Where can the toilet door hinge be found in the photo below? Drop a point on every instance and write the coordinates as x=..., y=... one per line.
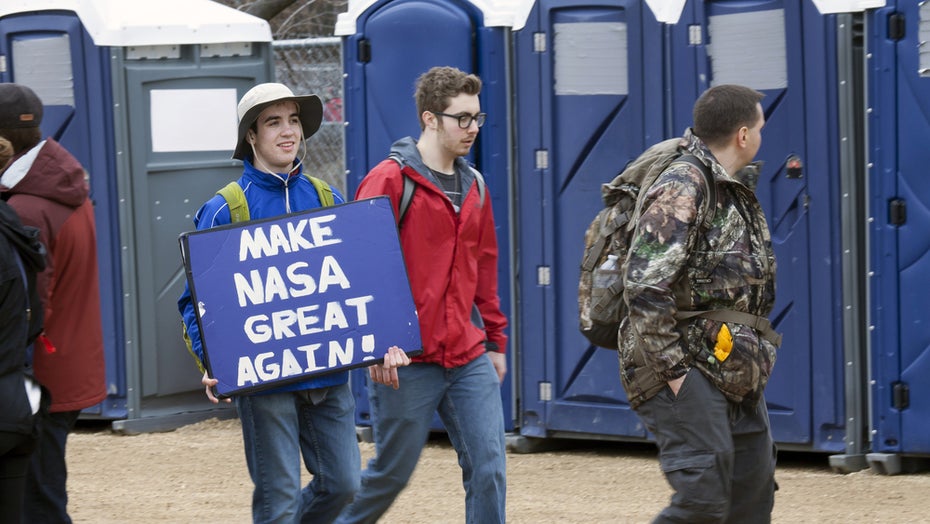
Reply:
x=542, y=159
x=545, y=391
x=539, y=42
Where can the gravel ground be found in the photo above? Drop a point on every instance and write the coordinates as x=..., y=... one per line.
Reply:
x=197, y=473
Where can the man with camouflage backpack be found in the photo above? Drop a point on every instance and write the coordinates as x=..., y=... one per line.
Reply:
x=695, y=379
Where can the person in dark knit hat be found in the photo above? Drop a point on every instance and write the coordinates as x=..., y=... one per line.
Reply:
x=49, y=190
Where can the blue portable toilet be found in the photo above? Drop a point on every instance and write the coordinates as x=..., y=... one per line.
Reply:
x=798, y=76
x=387, y=44
x=144, y=94
x=598, y=82
x=594, y=84
x=589, y=98
x=898, y=68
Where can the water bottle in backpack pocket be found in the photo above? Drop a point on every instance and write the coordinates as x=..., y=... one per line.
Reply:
x=604, y=302
x=607, y=287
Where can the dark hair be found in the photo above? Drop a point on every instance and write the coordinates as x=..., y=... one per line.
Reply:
x=722, y=110
x=23, y=138
x=436, y=87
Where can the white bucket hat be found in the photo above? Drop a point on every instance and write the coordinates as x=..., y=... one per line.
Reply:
x=310, y=109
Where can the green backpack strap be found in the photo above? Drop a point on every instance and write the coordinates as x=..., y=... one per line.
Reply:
x=190, y=346
x=235, y=199
x=323, y=190
x=239, y=212
x=239, y=208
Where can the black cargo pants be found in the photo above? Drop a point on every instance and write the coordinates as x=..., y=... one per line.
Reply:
x=717, y=456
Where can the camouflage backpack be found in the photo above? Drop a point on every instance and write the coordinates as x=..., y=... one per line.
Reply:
x=607, y=240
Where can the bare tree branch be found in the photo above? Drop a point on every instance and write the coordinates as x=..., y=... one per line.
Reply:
x=266, y=9
x=293, y=18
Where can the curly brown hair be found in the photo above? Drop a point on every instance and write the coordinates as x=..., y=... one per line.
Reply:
x=436, y=87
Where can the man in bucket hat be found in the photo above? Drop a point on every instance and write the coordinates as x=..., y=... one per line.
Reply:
x=313, y=418
x=48, y=188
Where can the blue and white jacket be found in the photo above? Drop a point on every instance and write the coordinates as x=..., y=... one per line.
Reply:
x=268, y=196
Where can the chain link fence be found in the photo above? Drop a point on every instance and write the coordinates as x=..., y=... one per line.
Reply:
x=314, y=65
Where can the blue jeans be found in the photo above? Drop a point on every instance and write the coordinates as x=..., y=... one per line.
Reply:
x=46, y=490
x=277, y=429
x=468, y=399
x=717, y=456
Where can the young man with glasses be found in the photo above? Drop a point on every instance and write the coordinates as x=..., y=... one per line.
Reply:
x=448, y=237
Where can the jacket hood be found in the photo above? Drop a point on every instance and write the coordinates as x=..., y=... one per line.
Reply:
x=24, y=238
x=406, y=151
x=48, y=171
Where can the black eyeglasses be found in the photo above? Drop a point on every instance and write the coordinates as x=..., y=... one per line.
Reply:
x=465, y=119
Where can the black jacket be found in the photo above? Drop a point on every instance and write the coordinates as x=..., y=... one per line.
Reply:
x=20, y=317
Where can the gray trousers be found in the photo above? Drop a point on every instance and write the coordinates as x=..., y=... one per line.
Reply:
x=717, y=456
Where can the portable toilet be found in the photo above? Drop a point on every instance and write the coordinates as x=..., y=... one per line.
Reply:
x=589, y=98
x=387, y=44
x=598, y=82
x=144, y=94
x=798, y=187
x=898, y=68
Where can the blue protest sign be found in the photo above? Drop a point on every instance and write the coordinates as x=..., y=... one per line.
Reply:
x=283, y=299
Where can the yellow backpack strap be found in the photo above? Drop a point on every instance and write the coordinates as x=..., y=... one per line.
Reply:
x=238, y=212
x=190, y=346
x=323, y=190
x=239, y=208
x=235, y=199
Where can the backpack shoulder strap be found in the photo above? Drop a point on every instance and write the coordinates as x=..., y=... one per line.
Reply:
x=410, y=187
x=323, y=190
x=239, y=207
x=479, y=179
x=405, y=197
x=406, y=194
x=710, y=202
x=235, y=199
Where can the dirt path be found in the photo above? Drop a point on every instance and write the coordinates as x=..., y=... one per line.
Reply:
x=197, y=474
